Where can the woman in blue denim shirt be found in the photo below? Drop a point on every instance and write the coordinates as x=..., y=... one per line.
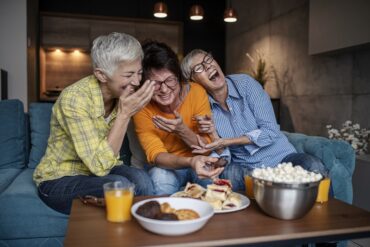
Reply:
x=244, y=120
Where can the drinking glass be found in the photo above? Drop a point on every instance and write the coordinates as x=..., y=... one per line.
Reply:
x=323, y=191
x=248, y=181
x=118, y=199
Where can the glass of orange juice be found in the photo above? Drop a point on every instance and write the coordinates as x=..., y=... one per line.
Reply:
x=248, y=181
x=323, y=191
x=118, y=200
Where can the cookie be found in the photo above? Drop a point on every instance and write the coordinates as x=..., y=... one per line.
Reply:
x=186, y=214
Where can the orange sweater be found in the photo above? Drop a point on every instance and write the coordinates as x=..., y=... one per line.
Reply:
x=155, y=141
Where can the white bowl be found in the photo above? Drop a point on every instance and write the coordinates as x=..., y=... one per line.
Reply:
x=175, y=228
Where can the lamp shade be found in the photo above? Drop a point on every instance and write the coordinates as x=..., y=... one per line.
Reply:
x=196, y=12
x=160, y=10
x=230, y=15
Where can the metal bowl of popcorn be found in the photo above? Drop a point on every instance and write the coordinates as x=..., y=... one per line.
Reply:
x=285, y=192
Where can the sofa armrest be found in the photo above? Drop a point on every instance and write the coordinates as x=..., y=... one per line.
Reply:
x=337, y=156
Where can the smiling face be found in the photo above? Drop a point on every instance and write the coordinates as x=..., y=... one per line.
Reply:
x=165, y=94
x=211, y=78
x=125, y=78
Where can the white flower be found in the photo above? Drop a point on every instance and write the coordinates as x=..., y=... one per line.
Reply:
x=353, y=134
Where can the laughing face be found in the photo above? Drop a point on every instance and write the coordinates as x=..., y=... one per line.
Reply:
x=207, y=72
x=125, y=79
x=166, y=89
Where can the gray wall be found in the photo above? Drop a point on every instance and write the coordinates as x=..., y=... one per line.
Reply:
x=13, y=46
x=314, y=90
x=336, y=24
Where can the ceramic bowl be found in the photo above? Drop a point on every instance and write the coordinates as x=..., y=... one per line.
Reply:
x=175, y=228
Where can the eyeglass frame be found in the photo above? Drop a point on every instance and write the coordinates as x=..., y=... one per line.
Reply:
x=165, y=82
x=207, y=55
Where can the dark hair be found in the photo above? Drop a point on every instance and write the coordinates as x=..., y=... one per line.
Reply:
x=158, y=55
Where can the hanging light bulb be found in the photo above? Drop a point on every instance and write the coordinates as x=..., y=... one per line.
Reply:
x=160, y=10
x=230, y=14
x=196, y=12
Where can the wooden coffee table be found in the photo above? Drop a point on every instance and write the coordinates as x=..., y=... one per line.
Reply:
x=330, y=221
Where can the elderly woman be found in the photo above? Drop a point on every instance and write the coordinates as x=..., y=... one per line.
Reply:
x=88, y=124
x=166, y=127
x=244, y=120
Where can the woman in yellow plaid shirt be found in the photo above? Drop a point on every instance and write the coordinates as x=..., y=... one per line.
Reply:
x=88, y=124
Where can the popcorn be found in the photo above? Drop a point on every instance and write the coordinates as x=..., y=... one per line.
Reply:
x=286, y=173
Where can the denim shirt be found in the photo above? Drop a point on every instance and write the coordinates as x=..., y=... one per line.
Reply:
x=250, y=114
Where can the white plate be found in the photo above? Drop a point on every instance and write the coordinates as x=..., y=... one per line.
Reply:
x=244, y=203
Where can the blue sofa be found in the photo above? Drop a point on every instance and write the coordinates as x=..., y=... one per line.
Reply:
x=26, y=221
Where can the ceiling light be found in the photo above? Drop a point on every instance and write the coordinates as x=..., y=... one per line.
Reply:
x=230, y=15
x=196, y=12
x=160, y=10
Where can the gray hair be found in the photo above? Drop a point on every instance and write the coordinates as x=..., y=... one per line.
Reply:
x=108, y=51
x=186, y=63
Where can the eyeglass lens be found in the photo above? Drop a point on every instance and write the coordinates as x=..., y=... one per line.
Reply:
x=170, y=82
x=200, y=66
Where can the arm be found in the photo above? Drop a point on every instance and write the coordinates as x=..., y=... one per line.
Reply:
x=95, y=150
x=128, y=105
x=200, y=164
x=183, y=125
x=176, y=126
x=259, y=103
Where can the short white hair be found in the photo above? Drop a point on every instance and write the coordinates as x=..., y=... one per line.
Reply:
x=186, y=63
x=108, y=51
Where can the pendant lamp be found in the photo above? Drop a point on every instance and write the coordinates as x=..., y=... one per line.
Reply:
x=196, y=12
x=230, y=14
x=160, y=10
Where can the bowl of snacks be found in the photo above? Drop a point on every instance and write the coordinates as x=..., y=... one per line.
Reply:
x=285, y=192
x=172, y=216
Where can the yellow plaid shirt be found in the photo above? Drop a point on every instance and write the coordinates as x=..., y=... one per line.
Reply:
x=78, y=135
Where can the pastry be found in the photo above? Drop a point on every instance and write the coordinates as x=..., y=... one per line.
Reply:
x=232, y=201
x=194, y=190
x=219, y=192
x=186, y=214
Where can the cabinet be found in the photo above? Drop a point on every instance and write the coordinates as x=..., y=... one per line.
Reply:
x=66, y=41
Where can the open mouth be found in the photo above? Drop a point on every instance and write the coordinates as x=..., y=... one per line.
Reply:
x=213, y=75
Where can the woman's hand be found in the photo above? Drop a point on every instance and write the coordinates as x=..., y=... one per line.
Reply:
x=175, y=125
x=203, y=148
x=205, y=124
x=204, y=166
x=130, y=103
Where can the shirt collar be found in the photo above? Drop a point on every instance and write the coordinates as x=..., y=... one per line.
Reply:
x=231, y=90
x=97, y=98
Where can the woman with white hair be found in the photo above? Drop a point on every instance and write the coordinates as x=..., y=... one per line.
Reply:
x=244, y=120
x=88, y=124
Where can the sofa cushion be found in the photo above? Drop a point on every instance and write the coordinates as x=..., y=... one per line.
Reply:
x=40, y=114
x=24, y=215
x=12, y=134
x=7, y=176
x=337, y=156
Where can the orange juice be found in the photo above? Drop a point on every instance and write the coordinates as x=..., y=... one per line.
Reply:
x=249, y=186
x=323, y=192
x=118, y=203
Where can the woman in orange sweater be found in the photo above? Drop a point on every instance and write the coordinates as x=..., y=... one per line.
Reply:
x=166, y=127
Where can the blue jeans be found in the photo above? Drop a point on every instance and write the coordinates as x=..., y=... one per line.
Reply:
x=59, y=193
x=168, y=181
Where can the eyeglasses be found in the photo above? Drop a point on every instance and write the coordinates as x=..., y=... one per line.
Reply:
x=200, y=67
x=170, y=82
